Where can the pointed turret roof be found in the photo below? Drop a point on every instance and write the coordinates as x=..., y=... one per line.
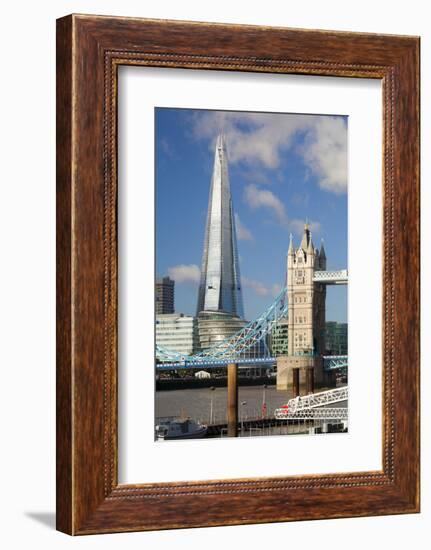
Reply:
x=305, y=237
x=291, y=249
x=322, y=250
x=310, y=248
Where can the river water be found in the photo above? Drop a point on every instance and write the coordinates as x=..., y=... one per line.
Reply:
x=209, y=406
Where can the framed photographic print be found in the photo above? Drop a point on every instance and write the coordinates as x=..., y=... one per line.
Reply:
x=237, y=274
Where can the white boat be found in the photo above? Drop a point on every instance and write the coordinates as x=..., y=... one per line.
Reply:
x=184, y=428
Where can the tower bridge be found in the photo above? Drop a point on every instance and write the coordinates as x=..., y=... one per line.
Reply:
x=302, y=304
x=304, y=365
x=223, y=333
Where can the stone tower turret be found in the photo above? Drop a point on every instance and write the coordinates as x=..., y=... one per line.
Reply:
x=306, y=313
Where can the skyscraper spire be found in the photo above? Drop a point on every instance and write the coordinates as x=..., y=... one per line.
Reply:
x=220, y=285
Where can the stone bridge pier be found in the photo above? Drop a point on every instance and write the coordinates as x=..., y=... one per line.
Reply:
x=302, y=375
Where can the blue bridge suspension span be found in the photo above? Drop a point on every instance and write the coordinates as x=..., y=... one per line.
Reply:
x=249, y=346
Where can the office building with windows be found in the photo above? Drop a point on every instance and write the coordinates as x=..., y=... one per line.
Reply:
x=278, y=341
x=176, y=331
x=165, y=295
x=336, y=338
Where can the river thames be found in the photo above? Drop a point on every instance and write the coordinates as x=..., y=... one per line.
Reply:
x=209, y=405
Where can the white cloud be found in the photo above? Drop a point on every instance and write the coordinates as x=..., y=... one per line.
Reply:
x=166, y=147
x=325, y=151
x=242, y=232
x=263, y=198
x=252, y=137
x=276, y=289
x=185, y=273
x=259, y=288
x=263, y=139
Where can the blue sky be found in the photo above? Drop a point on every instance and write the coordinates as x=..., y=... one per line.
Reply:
x=283, y=168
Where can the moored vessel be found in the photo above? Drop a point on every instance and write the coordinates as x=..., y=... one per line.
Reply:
x=183, y=428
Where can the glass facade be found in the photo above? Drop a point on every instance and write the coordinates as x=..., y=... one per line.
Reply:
x=336, y=338
x=177, y=332
x=216, y=327
x=220, y=284
x=279, y=343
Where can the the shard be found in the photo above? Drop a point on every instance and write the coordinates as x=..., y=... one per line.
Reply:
x=220, y=284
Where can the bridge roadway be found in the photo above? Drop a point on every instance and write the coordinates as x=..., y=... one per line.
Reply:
x=331, y=362
x=338, y=277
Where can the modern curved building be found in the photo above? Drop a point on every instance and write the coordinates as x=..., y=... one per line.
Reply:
x=215, y=326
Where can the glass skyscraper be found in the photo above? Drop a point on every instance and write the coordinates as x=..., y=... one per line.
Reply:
x=220, y=284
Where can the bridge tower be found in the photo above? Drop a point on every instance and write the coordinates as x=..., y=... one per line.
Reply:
x=302, y=367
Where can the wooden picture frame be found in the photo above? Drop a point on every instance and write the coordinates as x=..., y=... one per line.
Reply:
x=89, y=51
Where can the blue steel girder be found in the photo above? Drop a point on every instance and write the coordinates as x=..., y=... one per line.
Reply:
x=335, y=362
x=258, y=362
x=230, y=348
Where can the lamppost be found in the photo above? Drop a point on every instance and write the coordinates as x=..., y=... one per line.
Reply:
x=212, y=388
x=242, y=416
x=264, y=402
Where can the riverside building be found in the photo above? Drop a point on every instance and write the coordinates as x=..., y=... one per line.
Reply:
x=165, y=295
x=336, y=338
x=176, y=331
